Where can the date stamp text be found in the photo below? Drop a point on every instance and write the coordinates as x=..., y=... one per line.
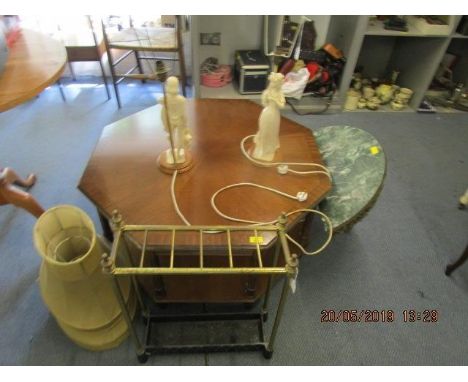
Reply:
x=382, y=315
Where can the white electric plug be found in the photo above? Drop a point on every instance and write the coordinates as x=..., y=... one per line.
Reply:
x=282, y=169
x=302, y=196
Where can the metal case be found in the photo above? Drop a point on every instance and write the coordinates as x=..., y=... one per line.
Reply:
x=251, y=71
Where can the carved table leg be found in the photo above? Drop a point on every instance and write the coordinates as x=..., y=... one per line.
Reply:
x=451, y=267
x=11, y=195
x=8, y=175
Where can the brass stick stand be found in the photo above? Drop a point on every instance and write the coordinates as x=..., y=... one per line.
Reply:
x=117, y=266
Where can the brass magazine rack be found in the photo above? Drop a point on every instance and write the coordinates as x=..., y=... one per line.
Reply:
x=145, y=346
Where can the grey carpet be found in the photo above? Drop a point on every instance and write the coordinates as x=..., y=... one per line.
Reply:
x=393, y=259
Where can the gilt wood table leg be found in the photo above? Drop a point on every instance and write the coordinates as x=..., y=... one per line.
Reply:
x=451, y=267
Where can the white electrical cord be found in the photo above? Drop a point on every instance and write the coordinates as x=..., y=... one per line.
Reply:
x=283, y=167
x=329, y=229
x=213, y=204
x=174, y=199
x=324, y=217
x=301, y=196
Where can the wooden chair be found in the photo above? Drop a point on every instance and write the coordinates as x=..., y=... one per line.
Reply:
x=84, y=46
x=10, y=194
x=136, y=40
x=357, y=164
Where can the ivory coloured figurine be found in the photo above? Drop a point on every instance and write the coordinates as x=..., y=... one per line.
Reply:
x=174, y=109
x=267, y=138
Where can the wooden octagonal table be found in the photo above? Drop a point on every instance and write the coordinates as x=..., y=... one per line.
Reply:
x=122, y=174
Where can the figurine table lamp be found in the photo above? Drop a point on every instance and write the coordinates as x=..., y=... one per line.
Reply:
x=267, y=138
x=174, y=118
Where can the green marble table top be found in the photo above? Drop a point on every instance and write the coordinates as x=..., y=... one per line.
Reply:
x=357, y=164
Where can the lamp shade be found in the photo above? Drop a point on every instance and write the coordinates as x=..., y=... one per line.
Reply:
x=77, y=293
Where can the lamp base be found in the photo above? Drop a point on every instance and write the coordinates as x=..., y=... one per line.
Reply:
x=170, y=168
x=277, y=157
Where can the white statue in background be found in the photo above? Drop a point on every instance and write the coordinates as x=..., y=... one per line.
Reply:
x=176, y=107
x=267, y=138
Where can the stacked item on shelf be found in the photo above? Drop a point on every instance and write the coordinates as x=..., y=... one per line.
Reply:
x=396, y=23
x=213, y=74
x=315, y=72
x=433, y=25
x=371, y=93
x=430, y=25
x=307, y=70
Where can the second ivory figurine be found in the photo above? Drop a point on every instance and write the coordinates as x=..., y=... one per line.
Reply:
x=267, y=138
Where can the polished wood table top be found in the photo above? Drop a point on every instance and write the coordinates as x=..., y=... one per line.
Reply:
x=34, y=62
x=123, y=173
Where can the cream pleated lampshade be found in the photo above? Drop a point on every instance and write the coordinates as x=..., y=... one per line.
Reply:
x=77, y=293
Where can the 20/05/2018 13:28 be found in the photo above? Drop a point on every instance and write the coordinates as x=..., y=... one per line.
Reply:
x=384, y=315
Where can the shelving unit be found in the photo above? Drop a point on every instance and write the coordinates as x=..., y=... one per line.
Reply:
x=417, y=60
x=237, y=33
x=364, y=42
x=415, y=54
x=458, y=46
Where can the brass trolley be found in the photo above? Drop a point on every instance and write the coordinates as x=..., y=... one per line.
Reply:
x=144, y=347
